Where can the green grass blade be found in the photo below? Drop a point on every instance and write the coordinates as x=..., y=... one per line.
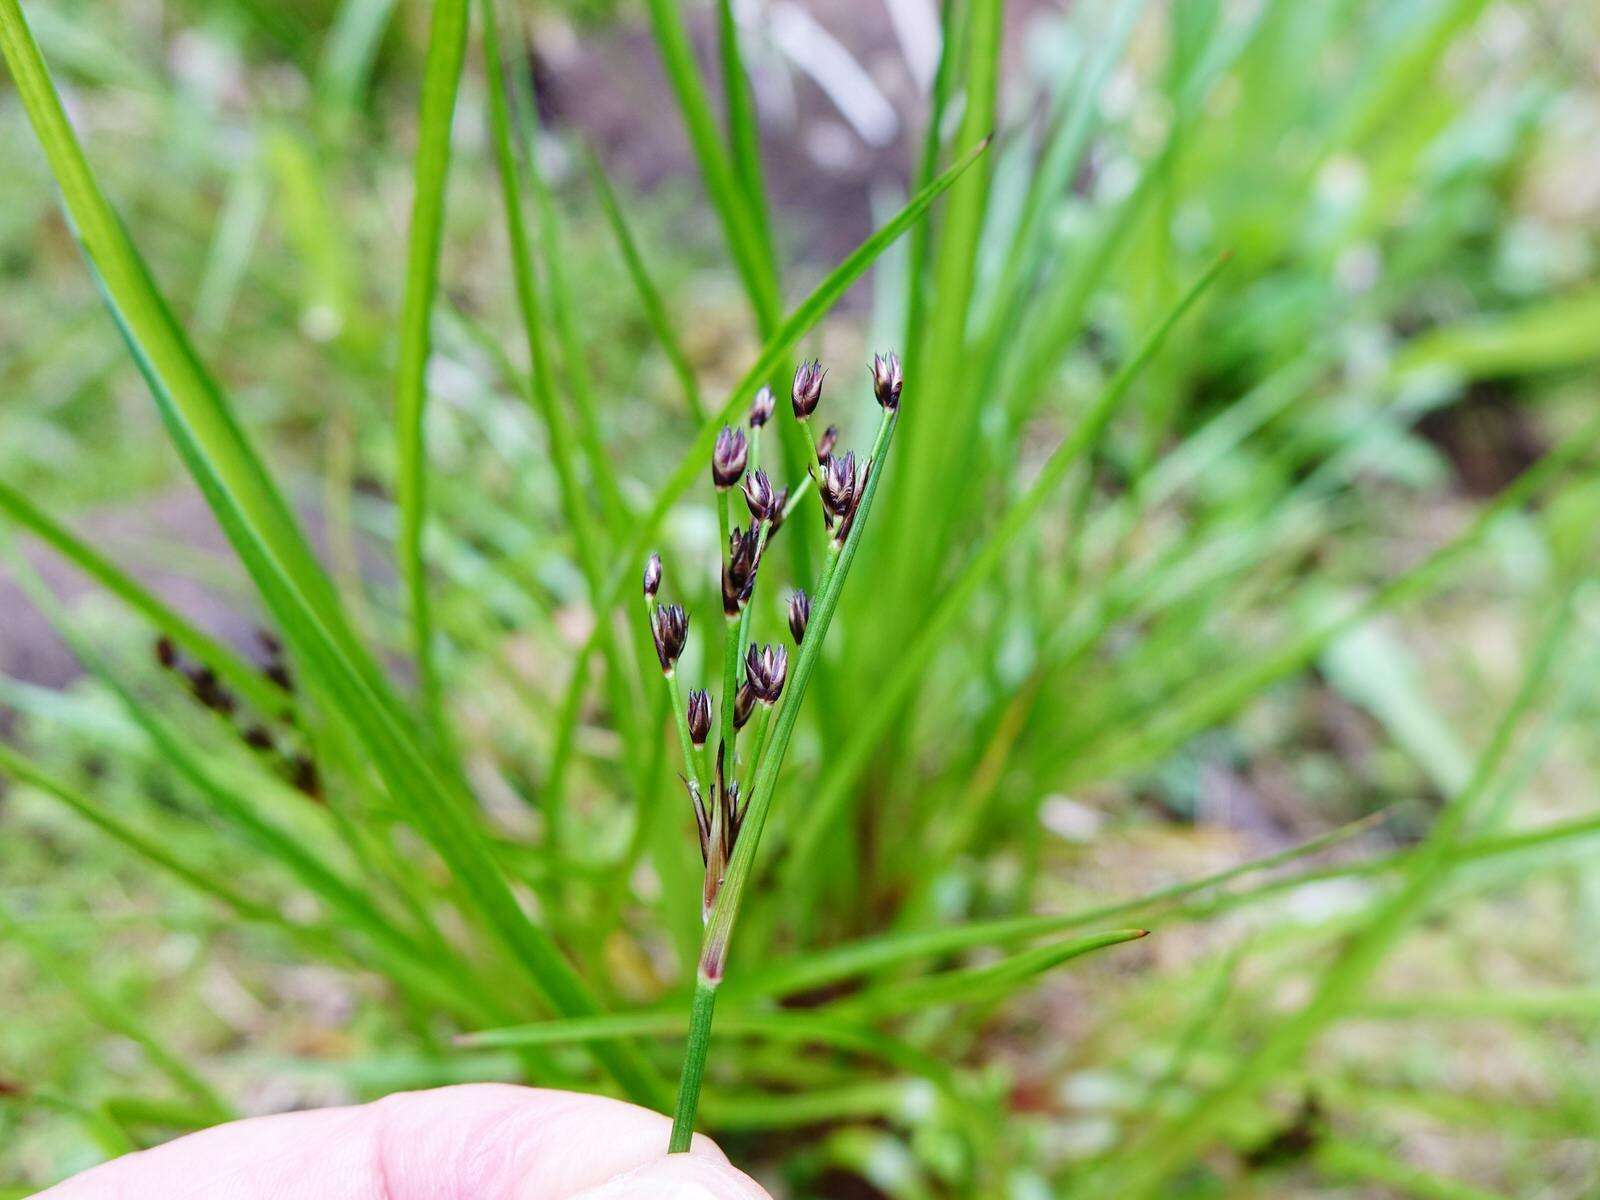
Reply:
x=722, y=182
x=824, y=968
x=116, y=1017
x=447, y=44
x=969, y=985
x=1347, y=977
x=744, y=135
x=897, y=686
x=655, y=309
x=552, y=244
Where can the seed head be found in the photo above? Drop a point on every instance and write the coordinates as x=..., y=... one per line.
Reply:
x=699, y=716
x=838, y=488
x=807, y=391
x=764, y=669
x=258, y=737
x=670, y=628
x=728, y=458
x=887, y=379
x=759, y=496
x=166, y=652
x=744, y=703
x=826, y=443
x=739, y=570
x=652, y=577
x=799, y=615
x=761, y=408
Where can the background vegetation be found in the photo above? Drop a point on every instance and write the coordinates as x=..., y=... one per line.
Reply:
x=1233, y=578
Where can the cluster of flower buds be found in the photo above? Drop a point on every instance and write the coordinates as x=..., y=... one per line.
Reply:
x=806, y=392
x=670, y=629
x=765, y=669
x=799, y=615
x=887, y=380
x=699, y=717
x=762, y=407
x=841, y=483
x=739, y=569
x=728, y=458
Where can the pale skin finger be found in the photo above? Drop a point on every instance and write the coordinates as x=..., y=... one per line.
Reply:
x=473, y=1142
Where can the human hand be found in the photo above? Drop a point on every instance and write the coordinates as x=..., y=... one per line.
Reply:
x=474, y=1142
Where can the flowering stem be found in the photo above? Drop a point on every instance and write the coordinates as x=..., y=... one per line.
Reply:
x=694, y=1064
x=724, y=912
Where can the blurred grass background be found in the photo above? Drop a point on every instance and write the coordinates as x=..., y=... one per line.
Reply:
x=1150, y=681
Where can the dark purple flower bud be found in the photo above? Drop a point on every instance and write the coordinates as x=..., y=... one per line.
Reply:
x=799, y=615
x=759, y=496
x=739, y=570
x=780, y=501
x=807, y=391
x=258, y=737
x=826, y=443
x=279, y=674
x=764, y=670
x=761, y=408
x=652, y=577
x=670, y=628
x=842, y=529
x=744, y=703
x=166, y=652
x=728, y=458
x=699, y=716
x=887, y=380
x=838, y=485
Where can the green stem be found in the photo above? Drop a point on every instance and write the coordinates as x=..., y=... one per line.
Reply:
x=763, y=719
x=681, y=719
x=694, y=1064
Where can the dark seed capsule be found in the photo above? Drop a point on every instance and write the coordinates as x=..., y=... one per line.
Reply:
x=806, y=393
x=258, y=737
x=670, y=628
x=744, y=703
x=838, y=489
x=279, y=674
x=842, y=529
x=759, y=496
x=887, y=380
x=652, y=577
x=799, y=615
x=699, y=716
x=826, y=443
x=739, y=570
x=166, y=652
x=764, y=669
x=761, y=408
x=728, y=457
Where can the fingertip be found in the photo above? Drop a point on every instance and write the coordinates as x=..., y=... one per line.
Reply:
x=702, y=1174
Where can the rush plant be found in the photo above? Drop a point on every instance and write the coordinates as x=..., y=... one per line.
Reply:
x=1175, y=295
